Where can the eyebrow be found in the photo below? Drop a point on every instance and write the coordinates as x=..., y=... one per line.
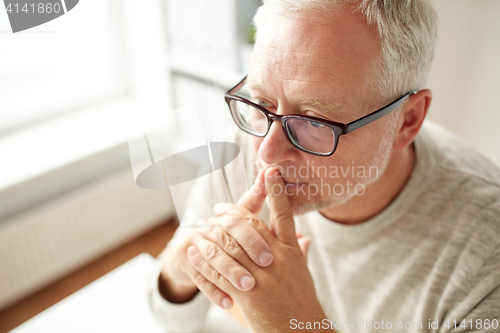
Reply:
x=330, y=106
x=253, y=85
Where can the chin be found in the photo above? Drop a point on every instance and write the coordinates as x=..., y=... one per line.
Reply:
x=300, y=207
x=304, y=205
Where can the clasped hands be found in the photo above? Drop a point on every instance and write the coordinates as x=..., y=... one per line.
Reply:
x=234, y=256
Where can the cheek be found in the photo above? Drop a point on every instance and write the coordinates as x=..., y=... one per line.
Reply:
x=256, y=142
x=322, y=169
x=351, y=152
x=354, y=146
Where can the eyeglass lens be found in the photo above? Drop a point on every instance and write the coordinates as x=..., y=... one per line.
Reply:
x=307, y=134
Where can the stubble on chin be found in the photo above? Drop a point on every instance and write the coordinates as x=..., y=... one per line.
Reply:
x=305, y=203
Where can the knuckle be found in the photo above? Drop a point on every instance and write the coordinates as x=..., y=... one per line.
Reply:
x=283, y=212
x=206, y=271
x=215, y=276
x=219, y=280
x=224, y=283
x=257, y=223
x=199, y=280
x=213, y=293
x=254, y=222
x=212, y=252
x=222, y=237
x=254, y=242
x=233, y=247
x=288, y=215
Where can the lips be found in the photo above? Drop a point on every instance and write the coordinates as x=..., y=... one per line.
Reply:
x=295, y=183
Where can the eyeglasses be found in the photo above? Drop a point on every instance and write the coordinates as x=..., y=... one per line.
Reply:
x=312, y=135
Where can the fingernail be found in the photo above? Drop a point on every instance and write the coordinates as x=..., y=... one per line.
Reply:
x=193, y=251
x=246, y=282
x=265, y=258
x=226, y=303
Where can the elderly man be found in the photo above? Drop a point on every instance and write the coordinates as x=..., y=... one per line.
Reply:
x=373, y=219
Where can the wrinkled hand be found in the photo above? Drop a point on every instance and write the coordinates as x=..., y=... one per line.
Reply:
x=231, y=248
x=284, y=290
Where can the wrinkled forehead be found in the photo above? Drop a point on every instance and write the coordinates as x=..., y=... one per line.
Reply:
x=336, y=51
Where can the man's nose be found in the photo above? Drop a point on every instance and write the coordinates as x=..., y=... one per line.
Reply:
x=275, y=148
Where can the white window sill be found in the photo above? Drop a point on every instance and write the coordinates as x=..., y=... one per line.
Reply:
x=55, y=157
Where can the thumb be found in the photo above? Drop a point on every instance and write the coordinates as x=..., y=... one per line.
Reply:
x=253, y=199
x=282, y=223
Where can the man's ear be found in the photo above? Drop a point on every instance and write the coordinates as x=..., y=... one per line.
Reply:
x=411, y=118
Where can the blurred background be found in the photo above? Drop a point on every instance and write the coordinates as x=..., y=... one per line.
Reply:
x=74, y=90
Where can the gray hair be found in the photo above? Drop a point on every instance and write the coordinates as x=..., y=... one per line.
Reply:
x=407, y=30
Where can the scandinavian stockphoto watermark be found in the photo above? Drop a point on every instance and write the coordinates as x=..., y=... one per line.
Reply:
x=26, y=14
x=312, y=180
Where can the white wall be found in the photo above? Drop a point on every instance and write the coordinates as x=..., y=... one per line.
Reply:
x=465, y=77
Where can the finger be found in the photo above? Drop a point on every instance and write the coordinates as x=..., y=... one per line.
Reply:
x=304, y=243
x=238, y=236
x=219, y=268
x=222, y=207
x=281, y=217
x=257, y=223
x=214, y=294
x=228, y=244
x=254, y=198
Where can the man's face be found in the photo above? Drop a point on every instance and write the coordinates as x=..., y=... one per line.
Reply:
x=308, y=65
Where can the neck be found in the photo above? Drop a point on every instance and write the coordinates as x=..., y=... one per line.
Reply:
x=379, y=194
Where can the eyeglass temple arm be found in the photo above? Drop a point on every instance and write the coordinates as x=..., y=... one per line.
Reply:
x=377, y=114
x=237, y=85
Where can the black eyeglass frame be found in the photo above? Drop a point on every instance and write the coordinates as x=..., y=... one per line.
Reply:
x=337, y=128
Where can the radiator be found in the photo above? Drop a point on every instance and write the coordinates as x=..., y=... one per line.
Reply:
x=48, y=242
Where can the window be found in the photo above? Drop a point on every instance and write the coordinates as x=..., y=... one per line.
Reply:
x=71, y=92
x=58, y=67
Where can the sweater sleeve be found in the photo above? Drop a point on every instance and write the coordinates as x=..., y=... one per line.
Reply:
x=178, y=318
x=189, y=316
